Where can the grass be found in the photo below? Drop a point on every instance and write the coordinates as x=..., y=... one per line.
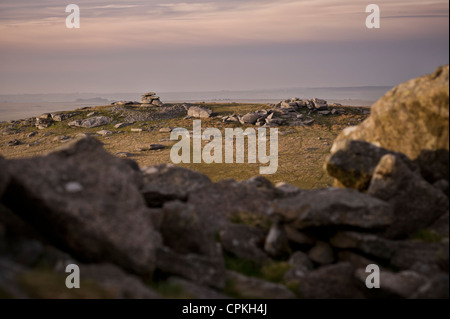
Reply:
x=428, y=236
x=302, y=150
x=45, y=284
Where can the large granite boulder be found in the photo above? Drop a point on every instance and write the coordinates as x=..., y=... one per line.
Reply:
x=413, y=119
x=86, y=202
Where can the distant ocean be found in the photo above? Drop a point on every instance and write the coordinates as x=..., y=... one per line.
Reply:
x=21, y=106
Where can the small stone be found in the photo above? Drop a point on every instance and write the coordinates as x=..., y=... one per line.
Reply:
x=73, y=187
x=121, y=125
x=32, y=134
x=155, y=147
x=104, y=133
x=137, y=130
x=165, y=130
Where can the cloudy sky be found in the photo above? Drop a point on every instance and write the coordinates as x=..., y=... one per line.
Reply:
x=196, y=45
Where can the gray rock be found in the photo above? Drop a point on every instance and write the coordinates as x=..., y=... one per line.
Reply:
x=14, y=143
x=122, y=125
x=368, y=244
x=300, y=265
x=277, y=242
x=105, y=133
x=117, y=282
x=354, y=259
x=106, y=221
x=253, y=288
x=412, y=119
x=92, y=122
x=167, y=182
x=436, y=288
x=60, y=117
x=322, y=253
x=251, y=118
x=244, y=242
x=124, y=154
x=353, y=163
x=417, y=204
x=226, y=199
x=394, y=285
x=155, y=147
x=203, y=270
x=422, y=257
x=331, y=282
x=32, y=134
x=166, y=130
x=199, y=112
x=334, y=207
x=298, y=237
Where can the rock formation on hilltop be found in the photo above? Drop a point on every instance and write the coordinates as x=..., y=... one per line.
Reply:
x=126, y=226
x=151, y=99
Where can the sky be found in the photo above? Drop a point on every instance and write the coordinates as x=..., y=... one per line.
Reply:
x=195, y=45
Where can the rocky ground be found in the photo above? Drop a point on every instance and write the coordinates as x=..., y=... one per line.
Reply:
x=168, y=232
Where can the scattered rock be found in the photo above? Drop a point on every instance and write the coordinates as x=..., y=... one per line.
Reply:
x=32, y=134
x=124, y=154
x=14, y=143
x=199, y=112
x=105, y=133
x=92, y=122
x=122, y=125
x=166, y=130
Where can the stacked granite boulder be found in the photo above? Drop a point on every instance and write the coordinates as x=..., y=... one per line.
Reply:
x=150, y=99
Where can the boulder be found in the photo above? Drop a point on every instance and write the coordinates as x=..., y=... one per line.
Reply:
x=203, y=270
x=300, y=265
x=328, y=282
x=227, y=199
x=417, y=204
x=334, y=207
x=352, y=163
x=199, y=112
x=413, y=119
x=86, y=202
x=322, y=254
x=167, y=182
x=92, y=122
x=277, y=241
x=368, y=244
x=251, y=118
x=117, y=282
x=393, y=285
x=245, y=242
